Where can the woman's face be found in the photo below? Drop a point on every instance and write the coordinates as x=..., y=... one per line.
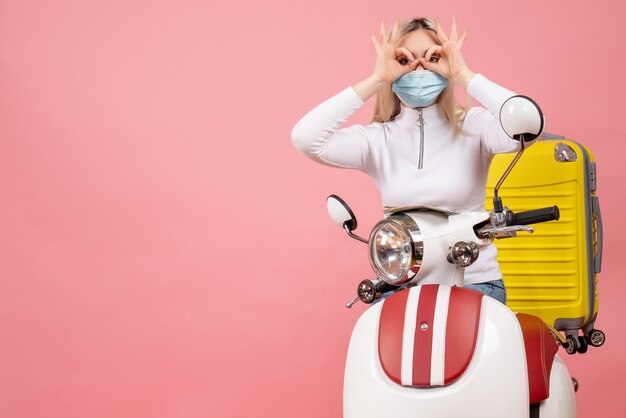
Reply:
x=418, y=42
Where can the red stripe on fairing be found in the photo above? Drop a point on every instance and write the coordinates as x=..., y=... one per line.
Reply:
x=461, y=331
x=423, y=345
x=390, y=329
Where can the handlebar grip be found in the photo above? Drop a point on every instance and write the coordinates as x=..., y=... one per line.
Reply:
x=536, y=215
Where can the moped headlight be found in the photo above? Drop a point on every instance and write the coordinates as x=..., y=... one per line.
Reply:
x=394, y=255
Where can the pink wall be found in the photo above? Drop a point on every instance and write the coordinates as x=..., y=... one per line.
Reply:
x=164, y=249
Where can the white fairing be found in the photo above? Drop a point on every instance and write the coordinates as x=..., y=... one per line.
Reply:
x=562, y=402
x=439, y=232
x=494, y=385
x=432, y=270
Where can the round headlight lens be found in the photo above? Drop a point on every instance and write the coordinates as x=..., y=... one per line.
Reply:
x=391, y=251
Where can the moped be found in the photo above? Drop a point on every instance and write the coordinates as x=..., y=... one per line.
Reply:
x=433, y=348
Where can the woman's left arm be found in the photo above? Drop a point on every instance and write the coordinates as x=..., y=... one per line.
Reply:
x=486, y=121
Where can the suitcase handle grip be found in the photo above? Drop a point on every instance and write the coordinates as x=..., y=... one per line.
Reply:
x=536, y=215
x=595, y=203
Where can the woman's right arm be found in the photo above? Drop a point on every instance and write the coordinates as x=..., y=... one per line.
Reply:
x=318, y=135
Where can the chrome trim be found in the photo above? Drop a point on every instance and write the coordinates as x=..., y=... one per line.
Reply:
x=389, y=210
x=464, y=253
x=416, y=240
x=498, y=219
x=507, y=231
x=410, y=228
x=368, y=291
x=420, y=123
x=563, y=153
x=352, y=302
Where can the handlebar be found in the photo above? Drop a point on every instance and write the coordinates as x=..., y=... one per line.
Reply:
x=535, y=216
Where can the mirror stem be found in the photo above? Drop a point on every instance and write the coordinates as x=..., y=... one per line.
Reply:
x=497, y=201
x=356, y=237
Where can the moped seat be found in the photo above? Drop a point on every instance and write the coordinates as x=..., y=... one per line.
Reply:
x=541, y=347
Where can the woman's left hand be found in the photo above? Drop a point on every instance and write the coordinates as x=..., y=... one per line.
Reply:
x=452, y=66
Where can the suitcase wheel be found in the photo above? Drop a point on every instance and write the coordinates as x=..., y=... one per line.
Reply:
x=596, y=337
x=571, y=345
x=583, y=344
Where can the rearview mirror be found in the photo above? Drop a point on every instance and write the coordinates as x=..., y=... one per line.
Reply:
x=340, y=212
x=521, y=118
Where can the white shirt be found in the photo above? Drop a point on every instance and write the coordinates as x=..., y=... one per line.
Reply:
x=454, y=172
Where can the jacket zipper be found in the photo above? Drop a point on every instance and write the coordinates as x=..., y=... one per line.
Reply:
x=420, y=123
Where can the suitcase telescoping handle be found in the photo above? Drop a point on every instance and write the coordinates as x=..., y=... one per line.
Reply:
x=535, y=216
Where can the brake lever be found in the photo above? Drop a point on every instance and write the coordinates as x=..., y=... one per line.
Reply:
x=507, y=231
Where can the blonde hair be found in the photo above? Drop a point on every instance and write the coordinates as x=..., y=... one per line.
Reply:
x=388, y=104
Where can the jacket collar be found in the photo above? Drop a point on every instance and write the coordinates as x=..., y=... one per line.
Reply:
x=408, y=116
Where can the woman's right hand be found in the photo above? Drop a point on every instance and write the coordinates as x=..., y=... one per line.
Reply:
x=387, y=68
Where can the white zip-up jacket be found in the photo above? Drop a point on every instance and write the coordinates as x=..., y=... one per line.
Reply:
x=453, y=171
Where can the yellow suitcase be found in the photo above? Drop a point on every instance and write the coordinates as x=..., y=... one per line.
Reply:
x=552, y=273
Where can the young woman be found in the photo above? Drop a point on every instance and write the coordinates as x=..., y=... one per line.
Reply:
x=421, y=147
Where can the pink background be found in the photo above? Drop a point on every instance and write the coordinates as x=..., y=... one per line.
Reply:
x=165, y=250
